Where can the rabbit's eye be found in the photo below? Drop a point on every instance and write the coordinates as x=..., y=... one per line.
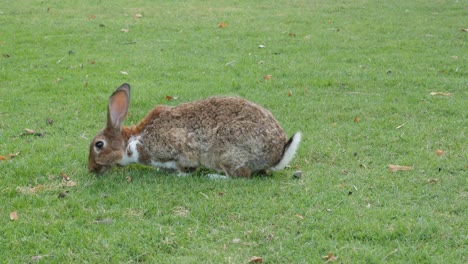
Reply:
x=99, y=144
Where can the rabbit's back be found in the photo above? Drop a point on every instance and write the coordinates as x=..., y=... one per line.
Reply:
x=215, y=131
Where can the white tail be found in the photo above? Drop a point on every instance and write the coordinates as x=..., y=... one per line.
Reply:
x=289, y=152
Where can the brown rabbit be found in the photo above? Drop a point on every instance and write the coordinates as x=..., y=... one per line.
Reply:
x=227, y=134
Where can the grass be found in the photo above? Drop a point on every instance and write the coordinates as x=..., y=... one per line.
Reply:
x=375, y=62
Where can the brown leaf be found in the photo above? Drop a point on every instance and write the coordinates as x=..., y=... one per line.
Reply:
x=267, y=77
x=435, y=180
x=289, y=93
x=124, y=30
x=255, y=259
x=70, y=183
x=439, y=152
x=14, y=216
x=394, y=168
x=441, y=94
x=300, y=216
x=29, y=131
x=137, y=15
x=12, y=155
x=3, y=158
x=357, y=119
x=129, y=179
x=222, y=25
x=6, y=56
x=293, y=35
x=92, y=62
x=92, y=17
x=329, y=257
x=169, y=98
x=64, y=176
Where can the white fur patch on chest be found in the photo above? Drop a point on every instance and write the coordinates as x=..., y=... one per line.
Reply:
x=131, y=152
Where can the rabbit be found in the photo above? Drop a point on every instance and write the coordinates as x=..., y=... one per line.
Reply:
x=227, y=134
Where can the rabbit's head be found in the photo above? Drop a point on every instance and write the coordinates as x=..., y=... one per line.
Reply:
x=108, y=147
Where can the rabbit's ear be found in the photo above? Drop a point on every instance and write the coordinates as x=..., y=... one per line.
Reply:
x=118, y=107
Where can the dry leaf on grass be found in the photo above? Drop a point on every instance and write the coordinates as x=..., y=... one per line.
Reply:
x=169, y=98
x=30, y=190
x=441, y=94
x=64, y=176
x=255, y=259
x=289, y=93
x=129, y=179
x=222, y=25
x=439, y=152
x=357, y=119
x=14, y=216
x=137, y=15
x=329, y=257
x=124, y=30
x=464, y=29
x=70, y=184
x=435, y=180
x=394, y=168
x=267, y=77
x=300, y=216
x=3, y=158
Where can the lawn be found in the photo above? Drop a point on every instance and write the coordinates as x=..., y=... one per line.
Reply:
x=370, y=84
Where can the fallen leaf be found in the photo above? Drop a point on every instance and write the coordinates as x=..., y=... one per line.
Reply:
x=400, y=126
x=6, y=56
x=329, y=257
x=58, y=80
x=137, y=15
x=64, y=176
x=103, y=221
x=441, y=94
x=3, y=158
x=435, y=180
x=92, y=17
x=124, y=72
x=29, y=131
x=129, y=179
x=255, y=259
x=14, y=216
x=261, y=46
x=300, y=216
x=124, y=30
x=169, y=98
x=293, y=35
x=439, y=152
x=92, y=62
x=357, y=119
x=464, y=30
x=289, y=93
x=222, y=25
x=267, y=77
x=394, y=168
x=70, y=183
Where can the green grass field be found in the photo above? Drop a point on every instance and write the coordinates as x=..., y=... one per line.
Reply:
x=355, y=77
